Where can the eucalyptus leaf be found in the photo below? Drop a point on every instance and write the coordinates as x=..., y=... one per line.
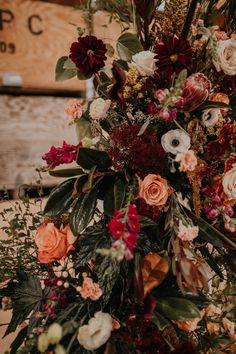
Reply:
x=128, y=44
x=62, y=73
x=60, y=198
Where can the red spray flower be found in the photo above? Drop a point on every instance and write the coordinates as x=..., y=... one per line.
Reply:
x=59, y=155
x=88, y=54
x=173, y=56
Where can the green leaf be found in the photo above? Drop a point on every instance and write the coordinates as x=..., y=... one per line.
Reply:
x=212, y=104
x=83, y=129
x=67, y=172
x=84, y=209
x=128, y=44
x=60, y=198
x=160, y=321
x=145, y=222
x=88, y=158
x=81, y=76
x=177, y=309
x=110, y=50
x=88, y=185
x=115, y=197
x=107, y=270
x=27, y=297
x=69, y=64
x=208, y=233
x=62, y=73
x=18, y=340
x=90, y=240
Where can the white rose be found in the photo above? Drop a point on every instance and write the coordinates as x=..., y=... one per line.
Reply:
x=144, y=62
x=226, y=56
x=99, y=107
x=229, y=182
x=43, y=342
x=96, y=332
x=176, y=141
x=210, y=117
x=54, y=333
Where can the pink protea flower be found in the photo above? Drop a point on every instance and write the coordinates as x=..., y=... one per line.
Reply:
x=195, y=91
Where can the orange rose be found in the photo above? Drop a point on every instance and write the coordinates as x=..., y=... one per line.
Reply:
x=53, y=244
x=154, y=190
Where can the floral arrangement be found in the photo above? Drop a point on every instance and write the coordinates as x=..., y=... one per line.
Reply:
x=137, y=244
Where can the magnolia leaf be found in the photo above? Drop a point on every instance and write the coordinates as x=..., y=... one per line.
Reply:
x=213, y=104
x=154, y=269
x=114, y=198
x=177, y=309
x=110, y=50
x=128, y=44
x=67, y=172
x=160, y=321
x=88, y=158
x=60, y=198
x=62, y=73
x=83, y=129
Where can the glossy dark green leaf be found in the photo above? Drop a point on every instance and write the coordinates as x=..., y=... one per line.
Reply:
x=160, y=321
x=212, y=104
x=63, y=73
x=208, y=233
x=177, y=309
x=67, y=172
x=90, y=240
x=145, y=222
x=114, y=197
x=83, y=210
x=60, y=198
x=107, y=270
x=88, y=158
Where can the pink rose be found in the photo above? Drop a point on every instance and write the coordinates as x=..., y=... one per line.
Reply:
x=188, y=161
x=73, y=110
x=154, y=190
x=53, y=244
x=195, y=91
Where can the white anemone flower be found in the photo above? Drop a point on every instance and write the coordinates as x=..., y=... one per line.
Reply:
x=176, y=141
x=210, y=117
x=96, y=332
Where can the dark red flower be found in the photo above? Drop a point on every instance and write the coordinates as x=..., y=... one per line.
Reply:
x=88, y=54
x=116, y=227
x=214, y=150
x=173, y=56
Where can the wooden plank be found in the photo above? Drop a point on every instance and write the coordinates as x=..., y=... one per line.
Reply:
x=33, y=35
x=29, y=126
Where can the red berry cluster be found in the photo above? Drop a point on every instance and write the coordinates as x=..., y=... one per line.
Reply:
x=126, y=227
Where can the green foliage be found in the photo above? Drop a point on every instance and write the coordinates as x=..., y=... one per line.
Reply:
x=60, y=198
x=177, y=309
x=115, y=197
x=64, y=73
x=88, y=158
x=68, y=172
x=128, y=44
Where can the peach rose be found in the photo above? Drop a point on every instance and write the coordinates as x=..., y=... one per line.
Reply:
x=188, y=161
x=73, y=110
x=53, y=244
x=187, y=326
x=154, y=190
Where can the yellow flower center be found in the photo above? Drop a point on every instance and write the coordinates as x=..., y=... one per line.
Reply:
x=90, y=53
x=174, y=57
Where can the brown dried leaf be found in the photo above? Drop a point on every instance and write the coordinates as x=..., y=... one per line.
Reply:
x=154, y=269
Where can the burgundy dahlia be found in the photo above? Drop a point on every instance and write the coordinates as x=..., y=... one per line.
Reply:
x=173, y=56
x=195, y=91
x=88, y=54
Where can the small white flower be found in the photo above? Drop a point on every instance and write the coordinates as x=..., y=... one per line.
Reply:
x=43, y=342
x=98, y=108
x=210, y=117
x=226, y=56
x=96, y=332
x=144, y=62
x=176, y=141
x=59, y=349
x=54, y=333
x=229, y=182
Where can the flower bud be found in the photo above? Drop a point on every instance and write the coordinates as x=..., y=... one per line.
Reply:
x=43, y=342
x=54, y=333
